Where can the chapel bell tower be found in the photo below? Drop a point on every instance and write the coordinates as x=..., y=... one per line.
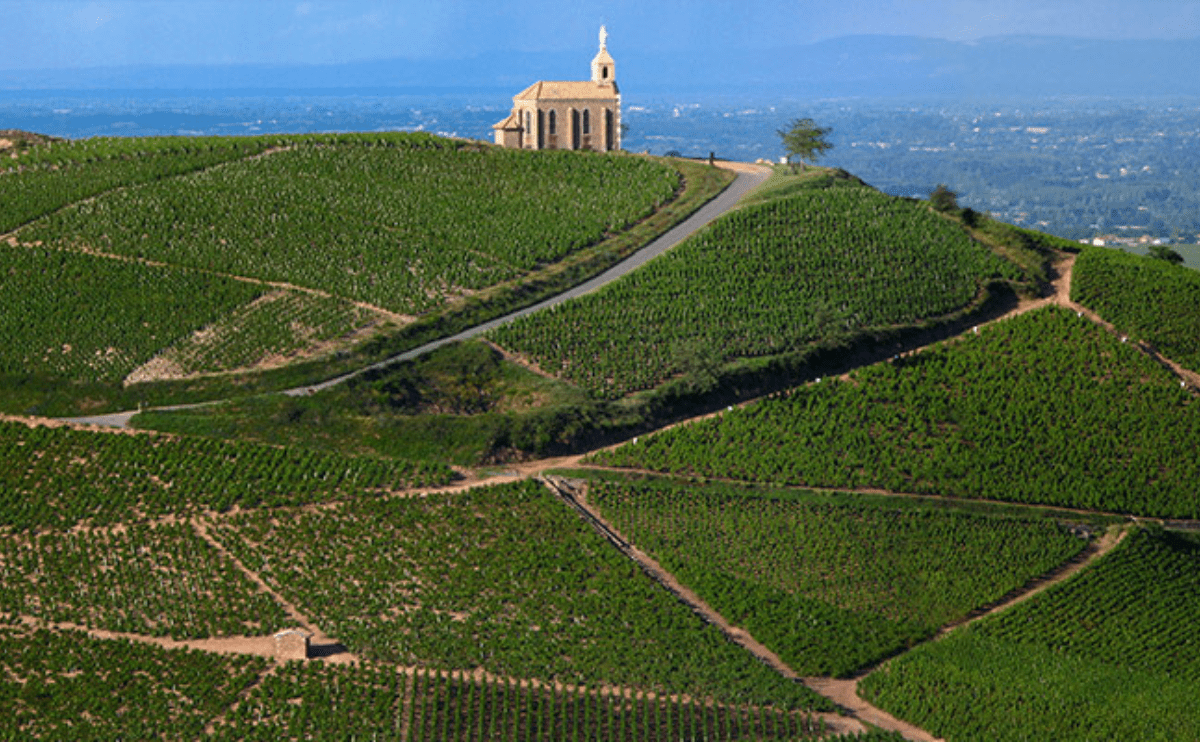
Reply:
x=604, y=70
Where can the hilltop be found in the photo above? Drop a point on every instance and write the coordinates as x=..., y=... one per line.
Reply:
x=836, y=456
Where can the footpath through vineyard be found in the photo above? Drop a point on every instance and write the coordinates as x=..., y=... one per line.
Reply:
x=859, y=711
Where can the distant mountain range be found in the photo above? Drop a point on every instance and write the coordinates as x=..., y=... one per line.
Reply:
x=853, y=66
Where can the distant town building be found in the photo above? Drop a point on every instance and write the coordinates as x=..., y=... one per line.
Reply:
x=568, y=115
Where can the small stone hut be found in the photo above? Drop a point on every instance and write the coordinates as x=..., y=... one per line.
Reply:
x=567, y=115
x=292, y=644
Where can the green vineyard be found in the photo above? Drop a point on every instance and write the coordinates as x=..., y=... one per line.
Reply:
x=401, y=221
x=1043, y=408
x=1152, y=300
x=57, y=478
x=300, y=702
x=963, y=535
x=1115, y=645
x=46, y=178
x=85, y=317
x=65, y=685
x=505, y=578
x=276, y=326
x=764, y=280
x=159, y=581
x=830, y=585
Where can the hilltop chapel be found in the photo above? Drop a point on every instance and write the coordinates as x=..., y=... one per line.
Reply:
x=567, y=115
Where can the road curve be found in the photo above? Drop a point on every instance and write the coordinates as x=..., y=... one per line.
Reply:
x=748, y=177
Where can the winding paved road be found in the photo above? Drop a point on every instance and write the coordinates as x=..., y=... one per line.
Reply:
x=748, y=177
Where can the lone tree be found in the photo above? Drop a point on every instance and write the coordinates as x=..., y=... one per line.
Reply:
x=943, y=199
x=804, y=140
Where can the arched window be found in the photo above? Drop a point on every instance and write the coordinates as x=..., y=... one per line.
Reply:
x=587, y=121
x=528, y=128
x=553, y=123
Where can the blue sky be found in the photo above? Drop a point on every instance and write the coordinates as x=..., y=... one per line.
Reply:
x=98, y=33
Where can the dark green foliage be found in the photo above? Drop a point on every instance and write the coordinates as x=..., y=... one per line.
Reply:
x=1109, y=654
x=461, y=404
x=1042, y=408
x=943, y=199
x=830, y=587
x=505, y=578
x=1151, y=300
x=1162, y=252
x=804, y=140
x=768, y=279
x=57, y=686
x=57, y=477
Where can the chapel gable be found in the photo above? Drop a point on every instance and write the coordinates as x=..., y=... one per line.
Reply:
x=579, y=115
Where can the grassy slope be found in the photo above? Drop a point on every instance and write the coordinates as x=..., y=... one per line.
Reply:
x=462, y=404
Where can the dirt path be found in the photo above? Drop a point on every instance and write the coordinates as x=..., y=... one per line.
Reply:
x=321, y=645
x=1095, y=550
x=838, y=724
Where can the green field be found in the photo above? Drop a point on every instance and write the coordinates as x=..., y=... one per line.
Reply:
x=767, y=279
x=64, y=685
x=1151, y=300
x=830, y=584
x=1045, y=408
x=1109, y=654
